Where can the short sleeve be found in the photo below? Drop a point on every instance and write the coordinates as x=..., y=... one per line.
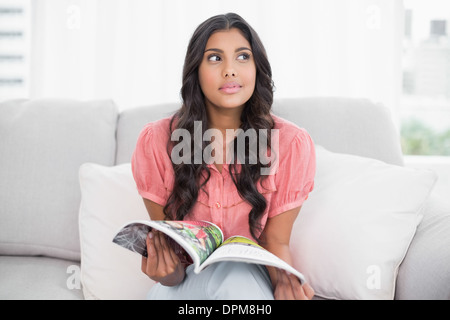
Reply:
x=148, y=165
x=294, y=179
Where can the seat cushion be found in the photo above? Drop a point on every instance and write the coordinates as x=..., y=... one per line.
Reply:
x=39, y=278
x=425, y=272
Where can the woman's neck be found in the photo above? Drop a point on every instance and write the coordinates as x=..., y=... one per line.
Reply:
x=223, y=118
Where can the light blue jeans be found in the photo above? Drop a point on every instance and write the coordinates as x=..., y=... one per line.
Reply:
x=220, y=281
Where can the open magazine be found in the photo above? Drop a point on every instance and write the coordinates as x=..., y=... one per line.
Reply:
x=203, y=241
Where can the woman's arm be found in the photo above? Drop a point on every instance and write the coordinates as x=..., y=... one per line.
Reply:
x=275, y=238
x=162, y=264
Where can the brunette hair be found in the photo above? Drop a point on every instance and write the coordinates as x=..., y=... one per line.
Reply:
x=190, y=178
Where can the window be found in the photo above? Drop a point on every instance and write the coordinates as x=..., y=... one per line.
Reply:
x=14, y=48
x=425, y=103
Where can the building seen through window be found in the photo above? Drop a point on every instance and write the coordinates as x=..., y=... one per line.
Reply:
x=425, y=103
x=14, y=48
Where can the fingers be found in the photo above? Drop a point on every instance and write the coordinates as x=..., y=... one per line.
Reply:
x=161, y=260
x=283, y=288
x=309, y=291
x=149, y=264
x=151, y=250
x=166, y=255
x=159, y=246
x=289, y=288
x=301, y=292
x=297, y=289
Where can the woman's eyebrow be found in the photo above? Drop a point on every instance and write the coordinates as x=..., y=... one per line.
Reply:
x=242, y=49
x=221, y=51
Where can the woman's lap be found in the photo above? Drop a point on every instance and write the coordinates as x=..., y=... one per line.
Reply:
x=220, y=281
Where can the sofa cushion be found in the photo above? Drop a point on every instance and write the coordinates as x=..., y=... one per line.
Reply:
x=109, y=200
x=42, y=145
x=354, y=230
x=39, y=278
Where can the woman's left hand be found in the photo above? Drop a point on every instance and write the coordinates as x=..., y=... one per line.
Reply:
x=288, y=287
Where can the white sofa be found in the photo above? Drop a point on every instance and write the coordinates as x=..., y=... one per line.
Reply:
x=44, y=142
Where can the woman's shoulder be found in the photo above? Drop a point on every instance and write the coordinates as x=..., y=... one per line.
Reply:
x=289, y=131
x=157, y=130
x=155, y=136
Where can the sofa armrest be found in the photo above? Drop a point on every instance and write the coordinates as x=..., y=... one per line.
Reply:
x=425, y=271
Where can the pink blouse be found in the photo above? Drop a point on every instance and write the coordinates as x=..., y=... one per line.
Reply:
x=287, y=189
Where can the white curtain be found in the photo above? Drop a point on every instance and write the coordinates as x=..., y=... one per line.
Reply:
x=133, y=51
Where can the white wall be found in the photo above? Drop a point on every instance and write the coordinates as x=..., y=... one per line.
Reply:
x=133, y=51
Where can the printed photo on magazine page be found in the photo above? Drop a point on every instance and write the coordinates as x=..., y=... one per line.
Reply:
x=201, y=237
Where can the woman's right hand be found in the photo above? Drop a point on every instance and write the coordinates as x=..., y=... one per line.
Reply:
x=162, y=264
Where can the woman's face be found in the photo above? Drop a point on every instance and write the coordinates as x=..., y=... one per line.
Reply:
x=227, y=72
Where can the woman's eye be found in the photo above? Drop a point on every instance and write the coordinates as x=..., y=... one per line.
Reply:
x=243, y=56
x=214, y=58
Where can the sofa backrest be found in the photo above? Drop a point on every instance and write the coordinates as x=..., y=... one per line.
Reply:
x=42, y=145
x=346, y=125
x=132, y=121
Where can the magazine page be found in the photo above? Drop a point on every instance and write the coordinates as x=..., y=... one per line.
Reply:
x=198, y=238
x=242, y=249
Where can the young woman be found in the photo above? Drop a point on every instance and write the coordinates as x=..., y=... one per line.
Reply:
x=227, y=84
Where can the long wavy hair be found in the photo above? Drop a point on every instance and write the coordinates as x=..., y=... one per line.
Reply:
x=191, y=178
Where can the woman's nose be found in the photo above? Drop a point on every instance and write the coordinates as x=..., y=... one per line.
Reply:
x=229, y=72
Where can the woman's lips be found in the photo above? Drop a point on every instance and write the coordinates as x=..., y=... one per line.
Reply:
x=230, y=88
